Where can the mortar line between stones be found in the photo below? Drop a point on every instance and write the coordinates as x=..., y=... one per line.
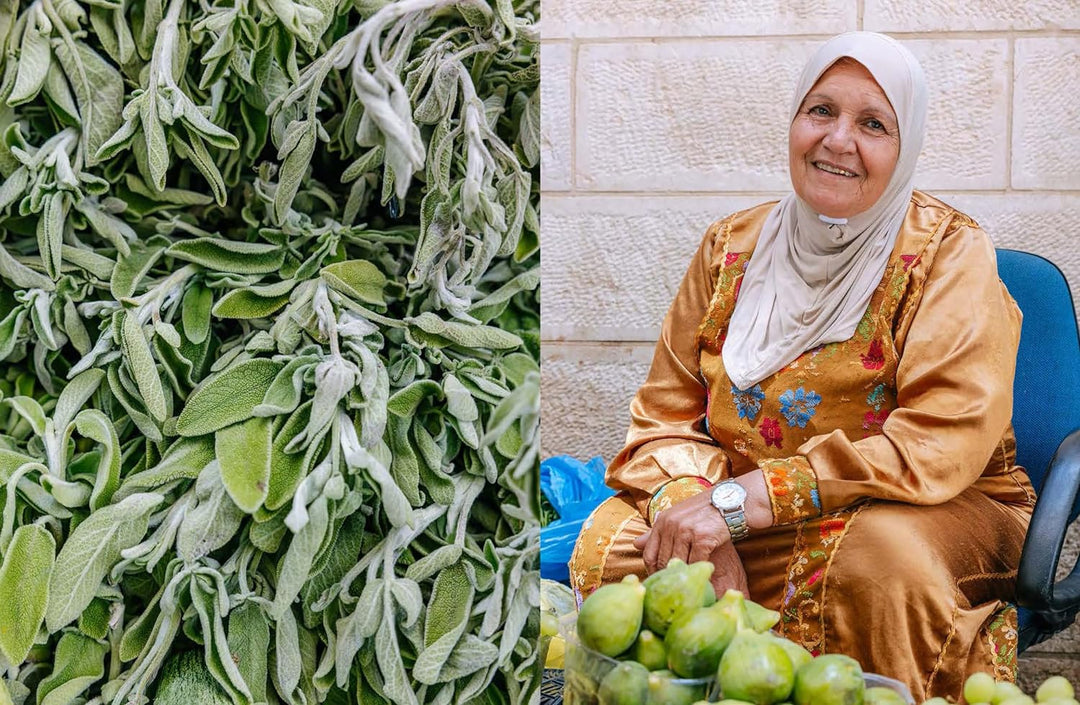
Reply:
x=1010, y=87
x=583, y=194
x=860, y=14
x=820, y=37
x=574, y=44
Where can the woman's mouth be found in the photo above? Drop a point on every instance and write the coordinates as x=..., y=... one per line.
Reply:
x=833, y=169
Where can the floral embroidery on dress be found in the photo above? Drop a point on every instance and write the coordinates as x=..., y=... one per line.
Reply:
x=675, y=491
x=792, y=487
x=874, y=420
x=747, y=401
x=910, y=261
x=874, y=359
x=731, y=258
x=801, y=615
x=798, y=406
x=770, y=431
x=1001, y=636
x=877, y=397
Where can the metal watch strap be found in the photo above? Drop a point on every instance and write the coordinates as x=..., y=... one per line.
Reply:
x=736, y=522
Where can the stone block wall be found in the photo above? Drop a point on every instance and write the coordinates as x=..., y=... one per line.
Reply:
x=661, y=116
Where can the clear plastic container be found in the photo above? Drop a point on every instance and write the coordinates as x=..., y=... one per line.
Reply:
x=585, y=669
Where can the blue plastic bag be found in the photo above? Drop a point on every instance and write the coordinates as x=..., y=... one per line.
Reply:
x=574, y=489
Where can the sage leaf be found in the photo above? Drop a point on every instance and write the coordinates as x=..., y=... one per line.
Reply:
x=228, y=397
x=229, y=255
x=196, y=309
x=79, y=662
x=184, y=460
x=34, y=55
x=287, y=651
x=405, y=401
x=93, y=424
x=75, y=394
x=99, y=89
x=28, y=563
x=212, y=522
x=94, y=621
x=143, y=367
x=358, y=279
x=132, y=268
x=185, y=680
x=467, y=336
x=243, y=453
x=296, y=563
x=249, y=643
x=285, y=392
x=252, y=303
x=91, y=550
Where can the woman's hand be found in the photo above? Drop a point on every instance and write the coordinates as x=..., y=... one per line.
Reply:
x=693, y=530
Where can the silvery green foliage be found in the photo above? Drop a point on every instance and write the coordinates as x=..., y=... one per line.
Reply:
x=269, y=324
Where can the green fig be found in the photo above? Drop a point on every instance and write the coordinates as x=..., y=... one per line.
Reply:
x=695, y=641
x=799, y=656
x=762, y=619
x=666, y=689
x=883, y=696
x=649, y=651
x=610, y=618
x=733, y=603
x=626, y=684
x=676, y=588
x=832, y=679
x=756, y=669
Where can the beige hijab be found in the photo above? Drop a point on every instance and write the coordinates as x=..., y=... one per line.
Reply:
x=810, y=278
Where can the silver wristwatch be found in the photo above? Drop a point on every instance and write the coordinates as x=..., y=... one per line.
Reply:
x=729, y=498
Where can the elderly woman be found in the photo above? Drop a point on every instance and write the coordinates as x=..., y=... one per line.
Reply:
x=827, y=416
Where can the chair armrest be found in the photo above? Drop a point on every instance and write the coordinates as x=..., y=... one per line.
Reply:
x=1035, y=587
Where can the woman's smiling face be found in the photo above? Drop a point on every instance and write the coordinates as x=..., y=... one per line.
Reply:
x=844, y=142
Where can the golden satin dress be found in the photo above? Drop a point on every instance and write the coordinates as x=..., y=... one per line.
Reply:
x=899, y=512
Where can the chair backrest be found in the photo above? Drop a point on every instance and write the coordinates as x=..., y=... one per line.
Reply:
x=1046, y=393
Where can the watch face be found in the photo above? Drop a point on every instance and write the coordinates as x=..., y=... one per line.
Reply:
x=728, y=495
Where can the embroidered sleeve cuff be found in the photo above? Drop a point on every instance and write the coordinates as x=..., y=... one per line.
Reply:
x=674, y=492
x=793, y=490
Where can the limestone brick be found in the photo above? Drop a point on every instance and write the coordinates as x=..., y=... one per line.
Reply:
x=966, y=122
x=950, y=16
x=685, y=116
x=585, y=395
x=556, y=134
x=1046, y=224
x=711, y=115
x=612, y=265
x=692, y=18
x=1046, y=107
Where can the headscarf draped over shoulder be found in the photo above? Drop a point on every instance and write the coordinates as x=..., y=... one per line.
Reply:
x=810, y=278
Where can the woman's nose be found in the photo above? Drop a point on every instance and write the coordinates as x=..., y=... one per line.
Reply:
x=840, y=137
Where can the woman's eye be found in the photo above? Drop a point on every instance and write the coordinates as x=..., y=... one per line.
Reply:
x=875, y=125
x=819, y=110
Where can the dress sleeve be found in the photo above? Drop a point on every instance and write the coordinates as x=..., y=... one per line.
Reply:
x=668, y=454
x=954, y=397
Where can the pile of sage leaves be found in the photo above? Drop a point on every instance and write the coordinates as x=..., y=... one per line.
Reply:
x=269, y=326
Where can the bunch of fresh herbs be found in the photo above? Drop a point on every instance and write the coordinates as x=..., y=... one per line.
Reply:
x=268, y=324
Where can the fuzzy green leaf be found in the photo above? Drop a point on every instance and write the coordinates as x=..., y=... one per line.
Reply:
x=79, y=662
x=359, y=279
x=91, y=551
x=221, y=255
x=243, y=452
x=28, y=563
x=228, y=397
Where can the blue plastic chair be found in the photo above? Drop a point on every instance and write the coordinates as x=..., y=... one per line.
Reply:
x=1046, y=417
